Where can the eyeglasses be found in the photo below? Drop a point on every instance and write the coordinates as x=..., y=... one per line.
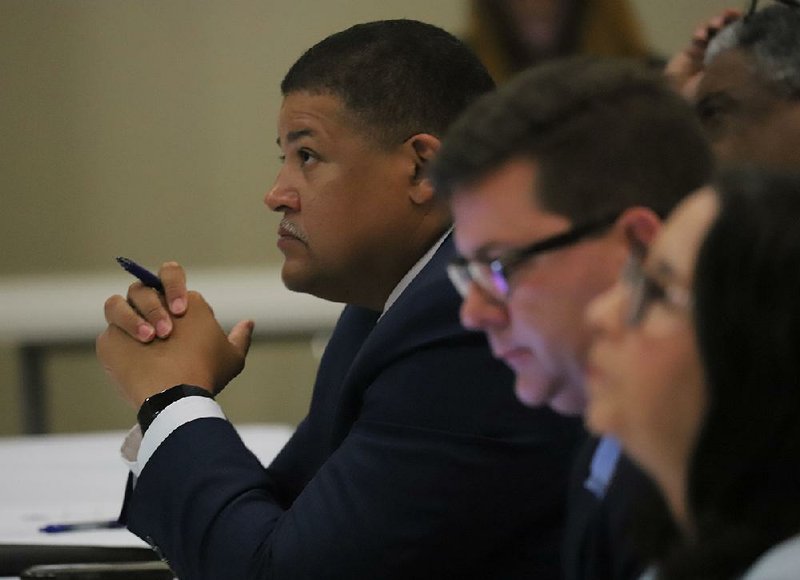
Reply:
x=754, y=5
x=645, y=290
x=493, y=276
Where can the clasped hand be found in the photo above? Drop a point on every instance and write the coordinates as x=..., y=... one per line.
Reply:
x=155, y=341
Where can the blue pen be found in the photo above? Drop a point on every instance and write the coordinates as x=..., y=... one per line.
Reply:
x=144, y=275
x=81, y=526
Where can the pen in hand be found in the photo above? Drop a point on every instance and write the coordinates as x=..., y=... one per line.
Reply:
x=81, y=526
x=144, y=275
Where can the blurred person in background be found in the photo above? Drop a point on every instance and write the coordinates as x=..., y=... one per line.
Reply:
x=511, y=35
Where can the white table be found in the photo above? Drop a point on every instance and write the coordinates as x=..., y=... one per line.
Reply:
x=65, y=478
x=42, y=313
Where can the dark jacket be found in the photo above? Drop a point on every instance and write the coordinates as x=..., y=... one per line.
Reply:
x=415, y=461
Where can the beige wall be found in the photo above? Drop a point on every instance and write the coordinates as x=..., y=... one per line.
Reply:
x=669, y=23
x=146, y=128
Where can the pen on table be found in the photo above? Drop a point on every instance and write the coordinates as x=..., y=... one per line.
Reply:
x=81, y=526
x=144, y=275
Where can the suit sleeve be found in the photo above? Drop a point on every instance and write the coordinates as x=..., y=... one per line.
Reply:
x=422, y=486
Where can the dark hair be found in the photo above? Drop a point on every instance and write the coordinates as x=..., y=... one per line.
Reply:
x=605, y=135
x=771, y=37
x=398, y=77
x=744, y=476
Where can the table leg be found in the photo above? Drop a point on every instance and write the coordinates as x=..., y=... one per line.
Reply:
x=33, y=389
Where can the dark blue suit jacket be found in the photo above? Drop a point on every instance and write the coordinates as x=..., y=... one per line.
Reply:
x=415, y=461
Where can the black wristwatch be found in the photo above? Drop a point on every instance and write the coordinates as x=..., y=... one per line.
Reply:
x=154, y=404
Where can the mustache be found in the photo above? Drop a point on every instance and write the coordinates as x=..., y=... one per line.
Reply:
x=290, y=228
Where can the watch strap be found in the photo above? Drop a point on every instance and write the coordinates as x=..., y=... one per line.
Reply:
x=154, y=404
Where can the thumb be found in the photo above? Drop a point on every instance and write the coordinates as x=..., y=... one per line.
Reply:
x=242, y=335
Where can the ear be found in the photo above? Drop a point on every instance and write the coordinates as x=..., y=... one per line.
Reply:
x=421, y=148
x=639, y=225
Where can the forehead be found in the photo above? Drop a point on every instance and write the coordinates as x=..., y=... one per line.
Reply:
x=501, y=209
x=683, y=232
x=731, y=67
x=321, y=116
x=734, y=73
x=759, y=125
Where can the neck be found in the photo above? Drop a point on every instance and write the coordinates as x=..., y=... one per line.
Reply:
x=398, y=268
x=671, y=479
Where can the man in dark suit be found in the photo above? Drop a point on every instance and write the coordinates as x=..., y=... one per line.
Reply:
x=553, y=181
x=415, y=460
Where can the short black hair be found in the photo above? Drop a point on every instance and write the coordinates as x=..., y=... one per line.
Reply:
x=606, y=134
x=399, y=77
x=744, y=474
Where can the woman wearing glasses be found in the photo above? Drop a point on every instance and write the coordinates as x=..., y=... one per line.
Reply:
x=695, y=368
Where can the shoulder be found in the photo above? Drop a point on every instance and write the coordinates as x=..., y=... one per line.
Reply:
x=422, y=368
x=779, y=563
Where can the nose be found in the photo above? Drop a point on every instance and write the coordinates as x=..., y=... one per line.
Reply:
x=283, y=195
x=479, y=312
x=604, y=312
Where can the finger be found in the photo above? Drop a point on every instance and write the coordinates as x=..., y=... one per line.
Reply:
x=717, y=22
x=150, y=306
x=104, y=350
x=720, y=21
x=119, y=313
x=173, y=278
x=100, y=345
x=697, y=52
x=241, y=336
x=730, y=15
x=700, y=35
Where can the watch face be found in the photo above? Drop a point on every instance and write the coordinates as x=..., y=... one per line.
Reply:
x=154, y=404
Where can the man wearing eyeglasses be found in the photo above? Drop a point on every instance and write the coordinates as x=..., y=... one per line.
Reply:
x=742, y=74
x=552, y=181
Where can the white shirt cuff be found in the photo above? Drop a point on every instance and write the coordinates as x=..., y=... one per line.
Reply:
x=137, y=450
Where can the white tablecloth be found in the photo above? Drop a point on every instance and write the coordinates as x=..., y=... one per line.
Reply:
x=66, y=478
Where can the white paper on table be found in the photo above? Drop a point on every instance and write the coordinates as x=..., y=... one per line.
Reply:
x=74, y=478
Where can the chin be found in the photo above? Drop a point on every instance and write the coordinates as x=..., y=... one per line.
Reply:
x=304, y=281
x=543, y=391
x=296, y=278
x=532, y=393
x=598, y=421
x=569, y=402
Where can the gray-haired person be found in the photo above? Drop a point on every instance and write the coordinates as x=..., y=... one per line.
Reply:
x=742, y=74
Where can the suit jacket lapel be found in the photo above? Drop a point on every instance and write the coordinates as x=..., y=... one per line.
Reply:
x=352, y=329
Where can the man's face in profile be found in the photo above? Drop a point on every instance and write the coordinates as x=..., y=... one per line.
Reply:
x=539, y=329
x=342, y=197
x=747, y=117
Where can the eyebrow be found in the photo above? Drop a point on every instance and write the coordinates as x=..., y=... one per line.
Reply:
x=293, y=136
